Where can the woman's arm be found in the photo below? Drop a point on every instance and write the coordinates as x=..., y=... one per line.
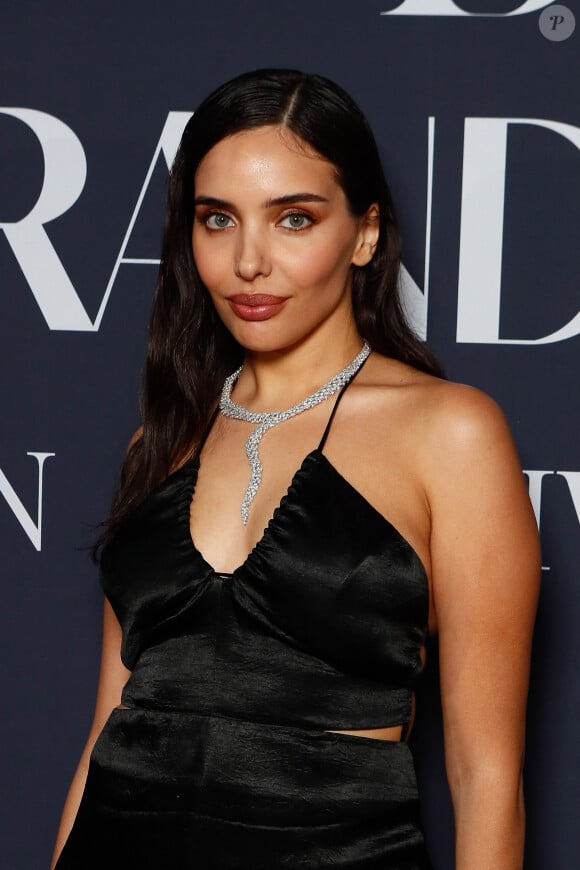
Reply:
x=112, y=678
x=486, y=569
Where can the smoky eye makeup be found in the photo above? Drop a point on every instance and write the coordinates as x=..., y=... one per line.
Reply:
x=213, y=219
x=296, y=220
x=217, y=220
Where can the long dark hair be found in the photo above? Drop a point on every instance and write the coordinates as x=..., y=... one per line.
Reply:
x=190, y=351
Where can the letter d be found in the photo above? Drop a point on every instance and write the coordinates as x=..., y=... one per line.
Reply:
x=482, y=211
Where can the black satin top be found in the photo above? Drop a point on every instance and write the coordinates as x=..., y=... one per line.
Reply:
x=321, y=626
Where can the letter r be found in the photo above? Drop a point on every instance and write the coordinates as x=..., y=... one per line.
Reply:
x=65, y=171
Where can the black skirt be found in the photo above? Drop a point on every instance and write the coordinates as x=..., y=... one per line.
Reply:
x=177, y=790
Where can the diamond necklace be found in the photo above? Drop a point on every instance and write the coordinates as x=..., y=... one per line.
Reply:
x=268, y=419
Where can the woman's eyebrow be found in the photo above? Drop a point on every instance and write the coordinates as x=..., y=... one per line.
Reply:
x=213, y=201
x=287, y=199
x=292, y=198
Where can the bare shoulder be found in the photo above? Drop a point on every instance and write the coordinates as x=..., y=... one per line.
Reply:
x=467, y=437
x=448, y=426
x=462, y=416
x=454, y=411
x=468, y=456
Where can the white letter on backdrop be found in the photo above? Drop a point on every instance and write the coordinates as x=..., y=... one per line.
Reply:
x=572, y=478
x=535, y=478
x=415, y=301
x=167, y=145
x=65, y=171
x=482, y=211
x=535, y=486
x=32, y=529
x=430, y=8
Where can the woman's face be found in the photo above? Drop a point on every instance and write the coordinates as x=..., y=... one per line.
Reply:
x=274, y=241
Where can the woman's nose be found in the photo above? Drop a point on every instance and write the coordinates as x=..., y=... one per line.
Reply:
x=252, y=255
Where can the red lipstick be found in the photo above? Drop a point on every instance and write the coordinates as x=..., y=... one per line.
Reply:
x=256, y=306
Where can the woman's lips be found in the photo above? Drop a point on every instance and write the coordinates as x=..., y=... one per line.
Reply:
x=256, y=306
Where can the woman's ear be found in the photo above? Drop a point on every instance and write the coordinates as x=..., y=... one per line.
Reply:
x=368, y=237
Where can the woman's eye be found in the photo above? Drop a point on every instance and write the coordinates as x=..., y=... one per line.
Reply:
x=218, y=221
x=296, y=221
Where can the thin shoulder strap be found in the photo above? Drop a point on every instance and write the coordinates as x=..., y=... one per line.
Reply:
x=336, y=403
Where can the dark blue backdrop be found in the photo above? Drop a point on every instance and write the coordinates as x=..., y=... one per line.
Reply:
x=488, y=193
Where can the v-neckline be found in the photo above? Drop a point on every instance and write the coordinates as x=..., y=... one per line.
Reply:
x=193, y=466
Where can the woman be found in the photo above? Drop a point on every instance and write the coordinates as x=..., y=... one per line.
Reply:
x=262, y=640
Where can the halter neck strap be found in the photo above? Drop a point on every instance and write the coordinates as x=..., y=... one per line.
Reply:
x=335, y=406
x=212, y=418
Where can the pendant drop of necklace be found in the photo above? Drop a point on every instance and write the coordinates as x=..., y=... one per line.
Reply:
x=268, y=419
